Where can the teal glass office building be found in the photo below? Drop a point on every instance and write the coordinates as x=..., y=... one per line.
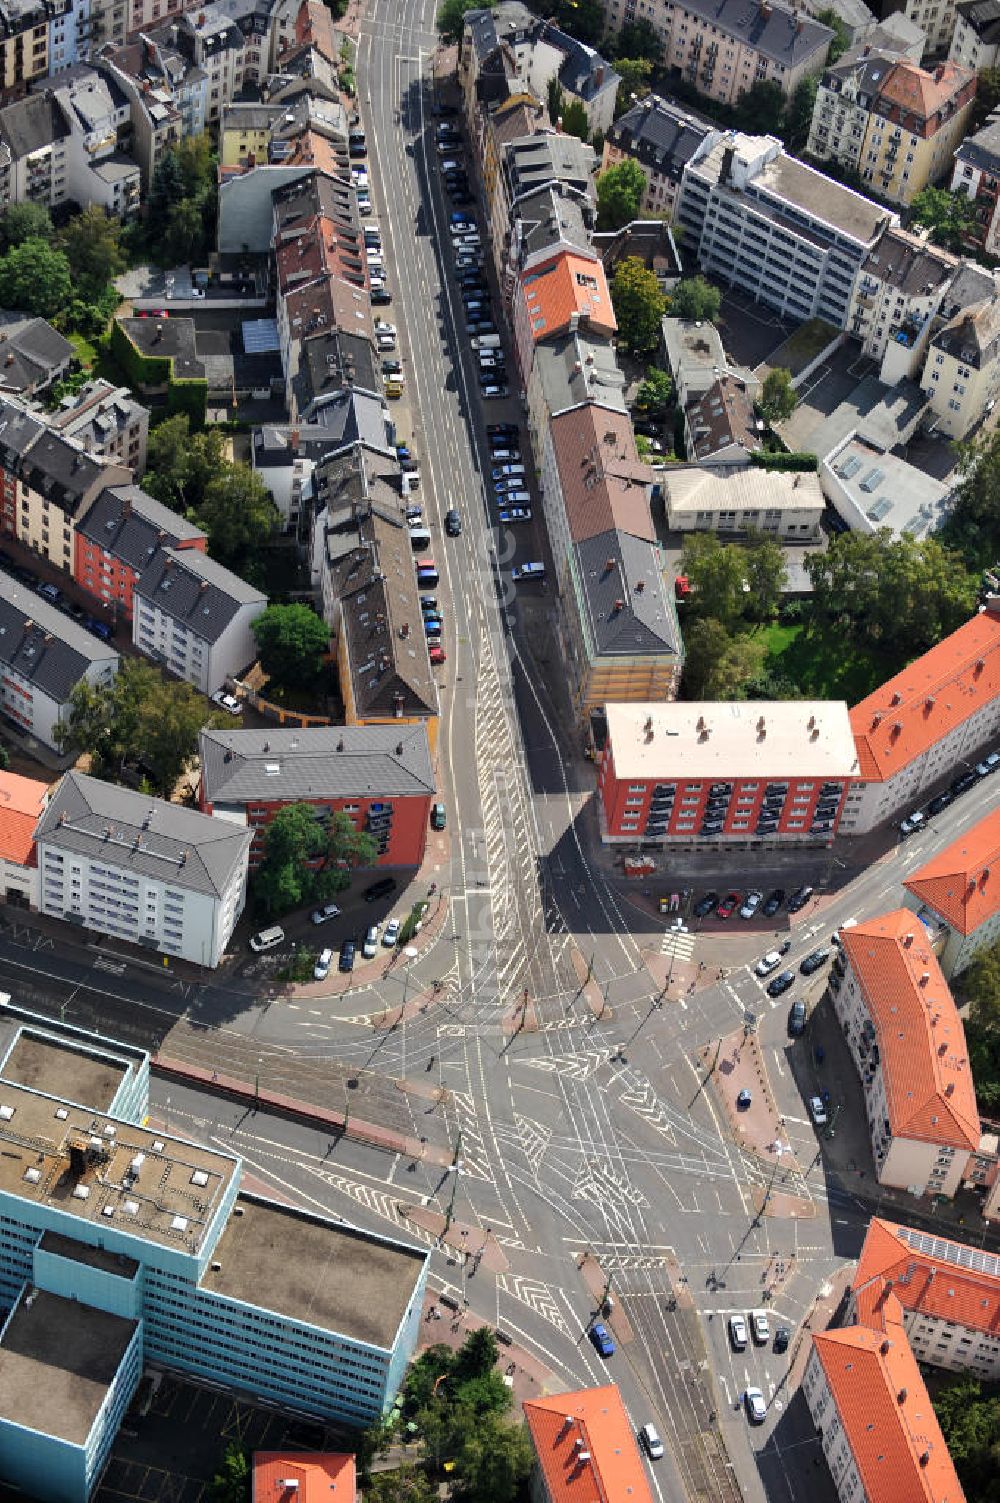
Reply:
x=122, y=1246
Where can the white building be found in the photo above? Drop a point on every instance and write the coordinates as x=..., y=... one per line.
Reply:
x=903, y=284
x=138, y=868
x=740, y=499
x=957, y=894
x=906, y=1038
x=43, y=656
x=195, y=616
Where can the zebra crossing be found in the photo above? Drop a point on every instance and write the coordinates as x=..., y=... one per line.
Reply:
x=677, y=942
x=475, y=1156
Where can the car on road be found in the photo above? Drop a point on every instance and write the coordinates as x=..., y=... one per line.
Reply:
x=744, y=1100
x=49, y=592
x=322, y=967
x=797, y=1019
x=988, y=764
x=813, y=961
x=781, y=983
x=437, y=655
x=393, y=368
x=767, y=963
x=504, y=451
x=494, y=393
x=705, y=904
x=964, y=782
x=227, y=702
x=799, y=899
x=773, y=902
x=760, y=1327
x=782, y=1337
x=728, y=906
x=379, y=298
x=504, y=428
x=439, y=817
x=267, y=939
x=737, y=1333
x=651, y=1443
x=912, y=822
x=433, y=626
x=941, y=802
x=527, y=571
x=510, y=514
x=506, y=471
x=601, y=1337
x=753, y=1401
x=370, y=947
x=817, y=1111
x=380, y=889
x=453, y=523
x=348, y=951
x=325, y=914
x=751, y=903
x=390, y=934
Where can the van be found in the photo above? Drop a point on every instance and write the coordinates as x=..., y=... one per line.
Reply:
x=267, y=939
x=419, y=538
x=651, y=1442
x=485, y=342
x=528, y=571
x=517, y=498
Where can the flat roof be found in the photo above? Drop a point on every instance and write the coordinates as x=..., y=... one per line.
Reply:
x=888, y=490
x=58, y=1358
x=716, y=739
x=336, y=1277
x=118, y=1264
x=107, y=1172
x=740, y=488
x=63, y=1070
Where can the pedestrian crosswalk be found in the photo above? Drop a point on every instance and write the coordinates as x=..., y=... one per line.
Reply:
x=677, y=942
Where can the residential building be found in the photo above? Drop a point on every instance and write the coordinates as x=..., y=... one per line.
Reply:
x=26, y=28
x=47, y=489
x=743, y=499
x=650, y=241
x=526, y=165
x=906, y=1038
x=380, y=776
x=22, y=801
x=566, y=372
x=662, y=136
x=34, y=134
x=723, y=47
x=117, y=539
x=560, y=296
x=108, y=421
x=757, y=772
x=618, y=619
x=171, y=350
x=212, y=42
x=720, y=425
x=892, y=122
x=118, y=862
x=935, y=20
x=962, y=372
x=956, y=894
x=195, y=616
x=285, y=455
x=942, y=710
x=975, y=42
x=313, y=1474
x=551, y=219
x=33, y=355
x=501, y=120
x=870, y=1405
x=43, y=656
x=767, y=223
x=584, y=1444
x=95, y=115
x=692, y=354
x=166, y=93
x=122, y=1245
x=901, y=288
x=976, y=173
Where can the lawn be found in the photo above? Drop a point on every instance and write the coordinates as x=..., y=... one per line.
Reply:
x=823, y=666
x=808, y=341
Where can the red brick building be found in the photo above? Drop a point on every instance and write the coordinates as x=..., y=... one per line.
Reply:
x=380, y=775
x=117, y=538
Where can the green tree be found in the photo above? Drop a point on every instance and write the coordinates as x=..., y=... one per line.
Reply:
x=987, y=98
x=970, y=1421
x=493, y=1462
x=554, y=98
x=637, y=39
x=695, y=298
x=764, y=566
x=237, y=512
x=778, y=399
x=841, y=34
x=981, y=983
x=761, y=110
x=166, y=191
x=197, y=163
x=948, y=216
x=634, y=73
x=90, y=242
x=974, y=524
x=798, y=116
x=184, y=235
x=655, y=392
x=232, y=1482
x=292, y=641
x=24, y=221
x=574, y=120
x=295, y=846
x=181, y=464
x=619, y=194
x=718, y=576
x=347, y=846
x=404, y=1484
x=4, y=759
x=35, y=278
x=451, y=17
x=639, y=305
x=477, y=1355
x=717, y=664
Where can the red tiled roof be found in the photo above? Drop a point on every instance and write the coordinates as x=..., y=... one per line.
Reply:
x=903, y=718
x=886, y=1413
x=962, y=882
x=21, y=803
x=569, y=283
x=603, y=479
x=926, y=93
x=322, y=1477
x=932, y=1283
x=925, y=1061
x=591, y=1421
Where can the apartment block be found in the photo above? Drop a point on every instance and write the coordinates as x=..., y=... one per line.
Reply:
x=957, y=896
x=55, y=484
x=108, y=421
x=941, y=710
x=934, y=18
x=767, y=223
x=566, y=372
x=587, y=1436
x=754, y=773
x=526, y=165
x=118, y=538
x=550, y=220
x=22, y=801
x=195, y=616
x=723, y=47
x=721, y=427
x=902, y=286
x=976, y=173
x=662, y=136
x=975, y=42
x=567, y=293
x=962, y=372
x=380, y=776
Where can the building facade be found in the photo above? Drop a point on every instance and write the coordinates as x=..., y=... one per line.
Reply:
x=956, y=893
x=962, y=372
x=22, y=801
x=196, y=617
x=901, y=289
x=975, y=42
x=662, y=136
x=742, y=500
x=976, y=173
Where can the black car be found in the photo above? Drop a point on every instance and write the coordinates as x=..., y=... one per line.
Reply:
x=505, y=428
x=781, y=983
x=813, y=961
x=941, y=802
x=782, y=1337
x=348, y=950
x=705, y=905
x=773, y=902
x=452, y=523
x=797, y=1019
x=379, y=298
x=964, y=783
x=380, y=889
x=799, y=899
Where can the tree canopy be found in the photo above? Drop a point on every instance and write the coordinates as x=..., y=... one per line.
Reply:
x=24, y=221
x=761, y=110
x=619, y=194
x=733, y=584
x=232, y=1482
x=292, y=641
x=91, y=244
x=451, y=16
x=695, y=298
x=948, y=216
x=634, y=73
x=719, y=664
x=574, y=119
x=778, y=399
x=974, y=525
x=182, y=202
x=969, y=1416
x=307, y=858
x=636, y=39
x=639, y=305
x=799, y=112
x=655, y=391
x=841, y=34
x=35, y=278
x=238, y=513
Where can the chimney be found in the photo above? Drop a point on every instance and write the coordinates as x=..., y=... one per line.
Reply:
x=599, y=76
x=901, y=1396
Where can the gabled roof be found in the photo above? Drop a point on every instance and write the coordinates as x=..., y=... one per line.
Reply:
x=132, y=526
x=926, y=94
x=625, y=607
x=777, y=31
x=604, y=482
x=932, y=1275
x=34, y=122
x=660, y=134
x=319, y=1476
x=31, y=353
x=962, y=882
x=194, y=589
x=973, y=336
x=722, y=417
x=21, y=803
x=591, y=1423
x=886, y=1412
x=917, y=708
x=930, y=1096
x=984, y=18
x=346, y=761
x=42, y=645
x=570, y=289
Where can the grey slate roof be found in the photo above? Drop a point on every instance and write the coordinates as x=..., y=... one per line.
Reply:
x=240, y=766
x=32, y=353
x=554, y=214
x=912, y=265
x=45, y=647
x=660, y=134
x=32, y=123
x=65, y=474
x=535, y=160
x=331, y=361
x=18, y=431
x=350, y=416
x=973, y=336
x=173, y=583
x=575, y=367
x=984, y=18
x=970, y=284
x=146, y=836
x=983, y=149
x=131, y=526
x=648, y=623
x=776, y=31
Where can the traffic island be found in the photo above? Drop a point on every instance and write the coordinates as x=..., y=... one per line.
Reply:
x=599, y=1285
x=735, y=1066
x=589, y=991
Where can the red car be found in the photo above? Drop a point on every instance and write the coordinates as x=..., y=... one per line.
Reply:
x=438, y=655
x=729, y=903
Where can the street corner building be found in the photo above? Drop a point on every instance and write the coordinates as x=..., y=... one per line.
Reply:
x=122, y=1245
x=585, y=1448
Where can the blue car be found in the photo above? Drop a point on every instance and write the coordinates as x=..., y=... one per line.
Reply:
x=601, y=1337
x=433, y=626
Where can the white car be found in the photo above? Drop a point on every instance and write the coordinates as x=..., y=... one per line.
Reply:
x=390, y=933
x=755, y=1406
x=759, y=1326
x=381, y=327
x=528, y=571
x=322, y=967
x=817, y=1111
x=370, y=947
x=737, y=1333
x=767, y=963
x=267, y=939
x=227, y=702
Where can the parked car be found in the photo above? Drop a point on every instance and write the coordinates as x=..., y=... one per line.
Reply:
x=744, y=1100
x=511, y=514
x=226, y=701
x=325, y=914
x=737, y=1333
x=751, y=903
x=705, y=905
x=817, y=1111
x=348, y=951
x=380, y=889
x=774, y=902
x=760, y=1327
x=941, y=802
x=797, y=1019
x=799, y=899
x=988, y=764
x=527, y=571
x=390, y=934
x=912, y=822
x=782, y=1337
x=651, y=1443
x=439, y=817
x=813, y=961
x=767, y=963
x=728, y=906
x=756, y=1409
x=601, y=1337
x=437, y=655
x=963, y=783
x=503, y=428
x=781, y=983
x=322, y=967
x=370, y=947
x=267, y=939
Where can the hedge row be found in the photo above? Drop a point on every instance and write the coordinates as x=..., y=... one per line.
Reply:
x=774, y=460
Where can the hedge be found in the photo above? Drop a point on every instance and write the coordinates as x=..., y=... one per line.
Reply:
x=189, y=395
x=773, y=460
x=141, y=370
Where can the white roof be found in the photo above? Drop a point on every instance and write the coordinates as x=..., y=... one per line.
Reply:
x=741, y=488
x=722, y=739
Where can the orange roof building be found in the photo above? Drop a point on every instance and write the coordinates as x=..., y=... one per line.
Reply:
x=569, y=291
x=906, y=1037
x=22, y=801
x=586, y=1448
x=960, y=888
x=303, y=1477
x=917, y=727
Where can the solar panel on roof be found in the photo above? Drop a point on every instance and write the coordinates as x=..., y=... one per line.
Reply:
x=956, y=1253
x=882, y=506
x=849, y=467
